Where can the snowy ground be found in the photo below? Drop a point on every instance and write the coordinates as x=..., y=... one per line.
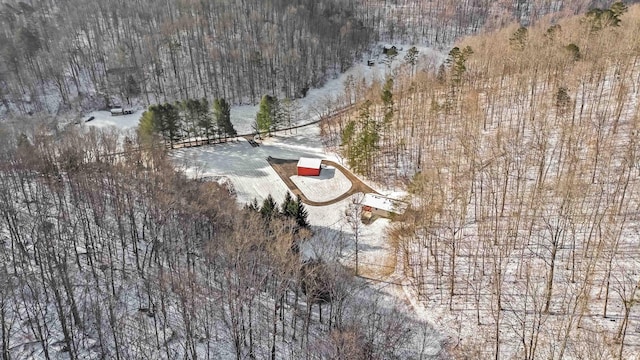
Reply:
x=329, y=185
x=309, y=108
x=246, y=168
x=104, y=119
x=316, y=102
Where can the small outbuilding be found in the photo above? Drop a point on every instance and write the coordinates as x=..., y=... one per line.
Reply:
x=373, y=204
x=117, y=111
x=390, y=50
x=309, y=166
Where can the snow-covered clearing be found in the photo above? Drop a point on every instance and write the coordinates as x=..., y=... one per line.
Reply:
x=246, y=168
x=251, y=176
x=103, y=119
x=329, y=185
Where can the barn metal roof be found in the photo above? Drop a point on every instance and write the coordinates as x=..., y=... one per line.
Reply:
x=309, y=163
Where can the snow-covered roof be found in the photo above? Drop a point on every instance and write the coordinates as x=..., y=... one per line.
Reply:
x=384, y=203
x=309, y=163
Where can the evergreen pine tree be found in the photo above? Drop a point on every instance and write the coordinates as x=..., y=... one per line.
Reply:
x=457, y=61
x=574, y=51
x=618, y=8
x=170, y=123
x=204, y=119
x=222, y=114
x=269, y=208
x=349, y=151
x=361, y=140
x=263, y=119
x=268, y=116
x=289, y=206
x=553, y=32
x=387, y=100
x=147, y=125
x=185, y=117
x=598, y=19
x=411, y=58
x=301, y=214
x=277, y=114
x=518, y=39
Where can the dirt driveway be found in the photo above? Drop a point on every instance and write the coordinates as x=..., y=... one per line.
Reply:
x=287, y=168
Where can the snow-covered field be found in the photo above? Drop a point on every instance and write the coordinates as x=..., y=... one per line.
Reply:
x=329, y=185
x=246, y=168
x=103, y=119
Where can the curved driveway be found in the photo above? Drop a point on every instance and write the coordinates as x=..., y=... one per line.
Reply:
x=287, y=168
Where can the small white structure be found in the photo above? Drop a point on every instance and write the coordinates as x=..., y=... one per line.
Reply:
x=309, y=166
x=373, y=204
x=117, y=111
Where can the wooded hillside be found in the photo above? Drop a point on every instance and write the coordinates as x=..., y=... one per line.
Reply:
x=77, y=55
x=521, y=153
x=236, y=50
x=122, y=257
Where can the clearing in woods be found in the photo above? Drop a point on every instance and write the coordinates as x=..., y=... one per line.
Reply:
x=285, y=168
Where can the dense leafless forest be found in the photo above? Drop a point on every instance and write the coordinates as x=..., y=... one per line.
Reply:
x=123, y=257
x=521, y=153
x=57, y=56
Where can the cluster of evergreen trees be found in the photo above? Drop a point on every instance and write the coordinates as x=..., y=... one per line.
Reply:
x=361, y=138
x=187, y=120
x=599, y=19
x=290, y=209
x=274, y=114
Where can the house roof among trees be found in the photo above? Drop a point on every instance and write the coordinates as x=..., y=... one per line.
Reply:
x=384, y=203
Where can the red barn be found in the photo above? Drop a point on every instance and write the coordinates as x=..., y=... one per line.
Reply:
x=309, y=167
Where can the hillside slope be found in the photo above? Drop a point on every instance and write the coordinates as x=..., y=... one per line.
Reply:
x=77, y=55
x=121, y=256
x=521, y=152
